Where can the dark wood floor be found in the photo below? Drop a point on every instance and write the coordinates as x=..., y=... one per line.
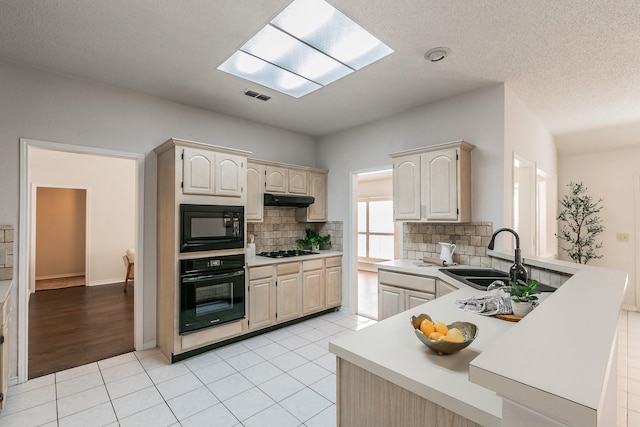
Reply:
x=74, y=326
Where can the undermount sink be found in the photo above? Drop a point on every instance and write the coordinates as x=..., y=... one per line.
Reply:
x=474, y=272
x=481, y=278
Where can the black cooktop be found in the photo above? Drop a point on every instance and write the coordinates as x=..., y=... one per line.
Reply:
x=287, y=254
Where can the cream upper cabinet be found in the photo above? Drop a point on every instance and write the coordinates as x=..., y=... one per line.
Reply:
x=406, y=187
x=298, y=181
x=198, y=171
x=440, y=188
x=255, y=190
x=317, y=211
x=276, y=179
x=212, y=173
x=433, y=184
x=231, y=175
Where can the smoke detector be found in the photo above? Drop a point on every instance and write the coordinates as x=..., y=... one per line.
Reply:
x=437, y=54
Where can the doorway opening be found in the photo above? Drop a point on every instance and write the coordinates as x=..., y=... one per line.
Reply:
x=376, y=235
x=61, y=218
x=91, y=215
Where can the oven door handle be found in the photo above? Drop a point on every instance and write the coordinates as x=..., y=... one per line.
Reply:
x=212, y=277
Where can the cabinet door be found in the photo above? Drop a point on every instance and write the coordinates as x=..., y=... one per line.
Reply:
x=440, y=186
x=334, y=287
x=298, y=182
x=255, y=191
x=415, y=298
x=318, y=189
x=276, y=179
x=443, y=288
x=390, y=301
x=198, y=171
x=406, y=187
x=312, y=291
x=230, y=175
x=262, y=309
x=288, y=291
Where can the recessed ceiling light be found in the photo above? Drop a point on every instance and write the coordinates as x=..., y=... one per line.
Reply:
x=437, y=54
x=310, y=44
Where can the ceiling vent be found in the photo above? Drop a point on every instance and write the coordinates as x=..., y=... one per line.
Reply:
x=257, y=95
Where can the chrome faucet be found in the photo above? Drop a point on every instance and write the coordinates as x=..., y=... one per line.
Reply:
x=517, y=270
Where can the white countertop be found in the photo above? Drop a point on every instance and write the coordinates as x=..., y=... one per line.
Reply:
x=555, y=361
x=391, y=350
x=257, y=260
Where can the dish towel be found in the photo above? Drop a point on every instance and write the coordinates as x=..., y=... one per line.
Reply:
x=498, y=301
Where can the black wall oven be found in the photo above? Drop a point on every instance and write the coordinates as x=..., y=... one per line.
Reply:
x=212, y=291
x=211, y=227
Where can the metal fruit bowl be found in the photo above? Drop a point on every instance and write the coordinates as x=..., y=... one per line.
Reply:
x=469, y=333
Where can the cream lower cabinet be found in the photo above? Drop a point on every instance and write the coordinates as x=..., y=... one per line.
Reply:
x=288, y=292
x=262, y=297
x=398, y=292
x=443, y=288
x=313, y=286
x=333, y=278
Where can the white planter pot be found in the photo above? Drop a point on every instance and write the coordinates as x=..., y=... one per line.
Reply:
x=315, y=247
x=521, y=309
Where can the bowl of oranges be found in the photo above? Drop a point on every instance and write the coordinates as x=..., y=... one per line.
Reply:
x=443, y=338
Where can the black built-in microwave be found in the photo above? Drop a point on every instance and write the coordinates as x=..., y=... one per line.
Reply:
x=211, y=227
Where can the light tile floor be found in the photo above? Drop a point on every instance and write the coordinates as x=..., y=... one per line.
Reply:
x=282, y=378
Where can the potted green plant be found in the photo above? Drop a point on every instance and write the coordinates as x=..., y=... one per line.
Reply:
x=313, y=240
x=523, y=296
x=580, y=213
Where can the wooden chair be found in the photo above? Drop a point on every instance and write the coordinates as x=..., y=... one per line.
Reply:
x=129, y=266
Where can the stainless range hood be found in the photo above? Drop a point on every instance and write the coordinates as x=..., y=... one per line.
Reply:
x=287, y=200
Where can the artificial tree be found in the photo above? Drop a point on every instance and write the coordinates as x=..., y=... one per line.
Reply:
x=579, y=212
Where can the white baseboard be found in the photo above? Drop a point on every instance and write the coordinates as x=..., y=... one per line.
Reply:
x=149, y=344
x=105, y=282
x=629, y=307
x=60, y=276
x=13, y=381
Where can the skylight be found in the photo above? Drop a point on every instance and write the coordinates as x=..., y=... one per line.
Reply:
x=310, y=44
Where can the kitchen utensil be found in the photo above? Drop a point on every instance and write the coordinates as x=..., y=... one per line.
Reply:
x=446, y=252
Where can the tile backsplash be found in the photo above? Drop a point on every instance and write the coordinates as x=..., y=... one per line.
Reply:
x=6, y=252
x=471, y=239
x=280, y=231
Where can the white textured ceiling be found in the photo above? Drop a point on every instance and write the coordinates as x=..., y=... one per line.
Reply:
x=575, y=64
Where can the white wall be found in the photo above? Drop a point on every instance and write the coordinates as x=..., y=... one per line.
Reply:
x=50, y=107
x=476, y=117
x=610, y=175
x=525, y=136
x=111, y=188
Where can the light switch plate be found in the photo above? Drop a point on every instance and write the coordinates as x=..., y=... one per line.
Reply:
x=622, y=237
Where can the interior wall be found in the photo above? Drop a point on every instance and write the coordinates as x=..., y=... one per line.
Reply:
x=609, y=175
x=60, y=225
x=476, y=117
x=50, y=107
x=525, y=136
x=111, y=189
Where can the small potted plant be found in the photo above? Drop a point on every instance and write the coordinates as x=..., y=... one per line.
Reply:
x=523, y=296
x=313, y=240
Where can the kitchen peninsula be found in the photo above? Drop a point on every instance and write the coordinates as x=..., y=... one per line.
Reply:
x=556, y=367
